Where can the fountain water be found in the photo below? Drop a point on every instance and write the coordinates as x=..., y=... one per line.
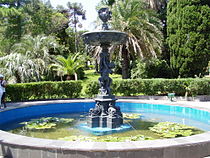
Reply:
x=105, y=114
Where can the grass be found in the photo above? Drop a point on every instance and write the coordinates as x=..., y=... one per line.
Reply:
x=91, y=75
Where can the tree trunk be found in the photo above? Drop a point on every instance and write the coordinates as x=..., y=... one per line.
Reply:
x=19, y=23
x=75, y=76
x=18, y=77
x=125, y=63
x=75, y=31
x=96, y=65
x=68, y=77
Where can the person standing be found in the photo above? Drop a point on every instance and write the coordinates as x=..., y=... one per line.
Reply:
x=3, y=85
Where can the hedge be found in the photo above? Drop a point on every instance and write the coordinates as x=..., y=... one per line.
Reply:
x=43, y=90
x=133, y=87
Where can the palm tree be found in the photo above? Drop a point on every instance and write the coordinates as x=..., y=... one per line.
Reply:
x=68, y=66
x=37, y=47
x=21, y=67
x=142, y=27
x=30, y=58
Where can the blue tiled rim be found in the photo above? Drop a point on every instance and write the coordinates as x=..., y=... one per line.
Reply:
x=35, y=110
x=185, y=112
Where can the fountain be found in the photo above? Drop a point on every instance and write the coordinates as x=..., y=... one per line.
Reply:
x=105, y=114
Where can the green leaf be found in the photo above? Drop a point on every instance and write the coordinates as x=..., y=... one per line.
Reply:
x=172, y=130
x=46, y=123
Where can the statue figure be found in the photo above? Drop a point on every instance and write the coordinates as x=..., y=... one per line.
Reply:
x=104, y=15
x=105, y=82
x=104, y=60
x=95, y=111
x=112, y=112
x=105, y=69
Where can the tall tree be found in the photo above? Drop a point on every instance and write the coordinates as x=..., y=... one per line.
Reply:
x=13, y=14
x=160, y=6
x=188, y=36
x=142, y=27
x=76, y=10
x=12, y=22
x=21, y=17
x=41, y=18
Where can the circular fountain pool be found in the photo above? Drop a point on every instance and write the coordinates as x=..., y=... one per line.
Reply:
x=13, y=145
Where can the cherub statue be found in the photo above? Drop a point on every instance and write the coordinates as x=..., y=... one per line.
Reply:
x=105, y=16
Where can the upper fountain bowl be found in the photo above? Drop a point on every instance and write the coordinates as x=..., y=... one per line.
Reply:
x=110, y=37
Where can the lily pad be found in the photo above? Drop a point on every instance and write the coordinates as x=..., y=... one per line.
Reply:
x=131, y=116
x=172, y=130
x=46, y=123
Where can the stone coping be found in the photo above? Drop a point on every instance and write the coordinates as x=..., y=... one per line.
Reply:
x=200, y=140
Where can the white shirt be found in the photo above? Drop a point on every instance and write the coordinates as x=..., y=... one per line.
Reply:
x=3, y=82
x=1, y=93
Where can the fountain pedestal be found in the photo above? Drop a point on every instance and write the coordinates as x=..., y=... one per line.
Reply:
x=105, y=114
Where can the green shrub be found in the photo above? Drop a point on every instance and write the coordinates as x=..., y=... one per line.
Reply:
x=199, y=87
x=130, y=87
x=152, y=68
x=188, y=36
x=134, y=87
x=43, y=90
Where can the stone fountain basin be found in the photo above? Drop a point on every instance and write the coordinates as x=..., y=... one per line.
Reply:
x=17, y=146
x=96, y=38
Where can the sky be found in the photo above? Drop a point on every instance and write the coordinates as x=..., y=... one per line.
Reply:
x=88, y=5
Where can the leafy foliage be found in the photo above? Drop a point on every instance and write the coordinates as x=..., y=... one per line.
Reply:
x=26, y=17
x=141, y=25
x=42, y=18
x=172, y=130
x=152, y=68
x=69, y=66
x=188, y=36
x=30, y=58
x=43, y=90
x=154, y=87
x=75, y=11
x=143, y=29
x=46, y=123
x=73, y=89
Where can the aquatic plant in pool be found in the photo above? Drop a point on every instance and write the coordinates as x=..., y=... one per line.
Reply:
x=46, y=123
x=66, y=130
x=172, y=130
x=140, y=116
